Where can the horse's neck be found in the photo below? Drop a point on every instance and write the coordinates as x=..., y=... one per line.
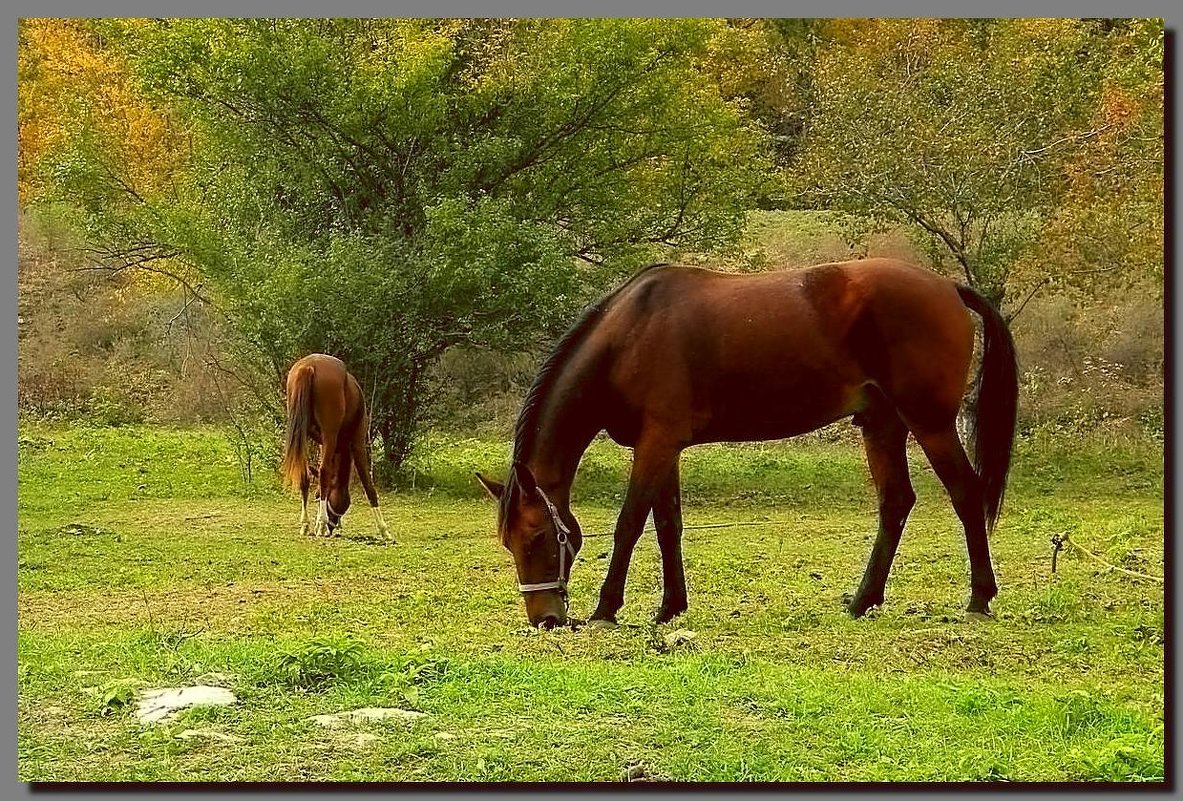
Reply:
x=565, y=429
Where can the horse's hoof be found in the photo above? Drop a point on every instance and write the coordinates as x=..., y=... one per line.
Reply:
x=859, y=607
x=976, y=616
x=667, y=613
x=603, y=623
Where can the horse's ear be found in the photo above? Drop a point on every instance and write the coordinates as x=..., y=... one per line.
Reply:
x=492, y=487
x=525, y=479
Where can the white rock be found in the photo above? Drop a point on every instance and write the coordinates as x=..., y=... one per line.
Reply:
x=679, y=637
x=162, y=704
x=366, y=713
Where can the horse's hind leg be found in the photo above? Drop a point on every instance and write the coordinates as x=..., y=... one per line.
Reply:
x=305, y=483
x=885, y=439
x=952, y=466
x=667, y=519
x=361, y=458
x=328, y=463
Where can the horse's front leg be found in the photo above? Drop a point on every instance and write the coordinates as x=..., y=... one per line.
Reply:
x=667, y=519
x=652, y=462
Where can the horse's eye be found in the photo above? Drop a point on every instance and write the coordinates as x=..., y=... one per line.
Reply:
x=532, y=541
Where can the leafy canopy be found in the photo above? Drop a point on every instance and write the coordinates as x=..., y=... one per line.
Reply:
x=962, y=128
x=385, y=189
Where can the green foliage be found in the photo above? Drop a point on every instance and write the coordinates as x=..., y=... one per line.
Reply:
x=113, y=698
x=107, y=408
x=1128, y=758
x=317, y=664
x=965, y=129
x=386, y=189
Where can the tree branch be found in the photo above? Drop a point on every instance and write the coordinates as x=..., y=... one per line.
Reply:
x=1011, y=317
x=956, y=248
x=140, y=258
x=1030, y=155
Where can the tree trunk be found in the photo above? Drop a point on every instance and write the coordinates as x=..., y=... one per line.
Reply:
x=396, y=417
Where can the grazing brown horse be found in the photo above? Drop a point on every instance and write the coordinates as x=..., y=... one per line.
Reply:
x=325, y=404
x=680, y=356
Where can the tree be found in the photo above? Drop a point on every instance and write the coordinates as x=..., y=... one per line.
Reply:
x=386, y=189
x=961, y=128
x=766, y=66
x=1108, y=230
x=74, y=102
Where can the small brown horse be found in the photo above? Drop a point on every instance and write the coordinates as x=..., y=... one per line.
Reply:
x=680, y=356
x=325, y=403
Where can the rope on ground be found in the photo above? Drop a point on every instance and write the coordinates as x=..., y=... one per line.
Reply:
x=1060, y=540
x=688, y=528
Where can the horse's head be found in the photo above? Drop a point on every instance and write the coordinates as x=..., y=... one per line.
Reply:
x=543, y=544
x=338, y=504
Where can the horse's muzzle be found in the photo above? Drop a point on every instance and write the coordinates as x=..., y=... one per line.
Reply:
x=546, y=610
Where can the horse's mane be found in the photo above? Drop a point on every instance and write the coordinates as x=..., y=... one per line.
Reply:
x=526, y=428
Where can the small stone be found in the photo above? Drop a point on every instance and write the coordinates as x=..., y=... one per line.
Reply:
x=162, y=704
x=634, y=773
x=444, y=735
x=679, y=637
x=366, y=713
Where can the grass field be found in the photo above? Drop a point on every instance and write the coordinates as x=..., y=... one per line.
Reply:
x=144, y=561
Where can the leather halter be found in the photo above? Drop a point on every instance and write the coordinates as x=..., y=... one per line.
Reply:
x=563, y=535
x=330, y=513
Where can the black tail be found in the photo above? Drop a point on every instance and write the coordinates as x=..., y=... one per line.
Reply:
x=996, y=403
x=295, y=452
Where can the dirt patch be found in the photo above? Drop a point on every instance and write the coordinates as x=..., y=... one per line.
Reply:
x=227, y=605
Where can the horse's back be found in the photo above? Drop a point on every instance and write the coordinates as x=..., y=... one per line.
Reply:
x=774, y=354
x=320, y=362
x=337, y=397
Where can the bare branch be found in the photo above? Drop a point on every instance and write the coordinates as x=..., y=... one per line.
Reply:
x=1011, y=317
x=957, y=248
x=168, y=328
x=1073, y=138
x=139, y=257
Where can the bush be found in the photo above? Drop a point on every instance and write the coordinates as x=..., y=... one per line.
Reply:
x=321, y=662
x=1086, y=366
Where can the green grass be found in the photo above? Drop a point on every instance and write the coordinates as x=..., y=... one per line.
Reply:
x=145, y=561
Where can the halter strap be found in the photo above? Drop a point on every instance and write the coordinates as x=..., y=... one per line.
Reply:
x=331, y=511
x=563, y=535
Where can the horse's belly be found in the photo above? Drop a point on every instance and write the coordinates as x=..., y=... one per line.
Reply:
x=747, y=411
